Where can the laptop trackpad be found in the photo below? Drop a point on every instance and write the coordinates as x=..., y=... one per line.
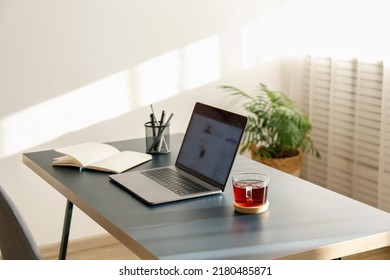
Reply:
x=144, y=187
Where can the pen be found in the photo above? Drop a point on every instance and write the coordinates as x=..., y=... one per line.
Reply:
x=162, y=117
x=153, y=126
x=153, y=114
x=159, y=128
x=170, y=117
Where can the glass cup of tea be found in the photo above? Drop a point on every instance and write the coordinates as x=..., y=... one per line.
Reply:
x=250, y=190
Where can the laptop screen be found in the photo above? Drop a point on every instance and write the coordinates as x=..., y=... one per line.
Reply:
x=210, y=144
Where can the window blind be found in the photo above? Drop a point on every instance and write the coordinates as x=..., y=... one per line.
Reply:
x=349, y=107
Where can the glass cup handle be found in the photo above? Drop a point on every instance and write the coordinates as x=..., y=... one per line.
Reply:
x=248, y=194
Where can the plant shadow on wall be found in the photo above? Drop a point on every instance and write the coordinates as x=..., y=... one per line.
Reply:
x=277, y=133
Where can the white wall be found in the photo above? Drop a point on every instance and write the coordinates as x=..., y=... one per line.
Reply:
x=74, y=71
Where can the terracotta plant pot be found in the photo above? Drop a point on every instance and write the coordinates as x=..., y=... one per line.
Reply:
x=291, y=165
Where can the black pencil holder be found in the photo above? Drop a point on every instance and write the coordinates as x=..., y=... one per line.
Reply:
x=157, y=138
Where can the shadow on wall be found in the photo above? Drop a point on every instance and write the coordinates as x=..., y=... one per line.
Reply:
x=129, y=123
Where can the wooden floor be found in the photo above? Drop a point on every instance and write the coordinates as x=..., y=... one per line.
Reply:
x=105, y=247
x=379, y=254
x=102, y=247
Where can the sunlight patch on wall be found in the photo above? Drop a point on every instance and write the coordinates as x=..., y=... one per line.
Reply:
x=248, y=46
x=149, y=82
x=262, y=41
x=201, y=62
x=253, y=39
x=158, y=78
x=83, y=107
x=341, y=29
x=178, y=70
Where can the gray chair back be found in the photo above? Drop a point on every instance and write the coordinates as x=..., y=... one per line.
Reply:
x=16, y=240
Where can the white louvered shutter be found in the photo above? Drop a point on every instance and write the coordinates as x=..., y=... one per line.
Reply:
x=384, y=171
x=348, y=104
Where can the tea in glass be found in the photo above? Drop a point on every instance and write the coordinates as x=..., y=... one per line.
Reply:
x=250, y=189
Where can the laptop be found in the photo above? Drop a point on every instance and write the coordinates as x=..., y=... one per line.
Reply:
x=202, y=166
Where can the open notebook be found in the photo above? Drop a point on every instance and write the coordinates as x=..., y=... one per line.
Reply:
x=203, y=164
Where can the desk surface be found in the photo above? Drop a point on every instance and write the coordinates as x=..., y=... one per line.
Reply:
x=304, y=221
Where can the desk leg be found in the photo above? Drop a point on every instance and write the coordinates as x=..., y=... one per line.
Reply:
x=66, y=230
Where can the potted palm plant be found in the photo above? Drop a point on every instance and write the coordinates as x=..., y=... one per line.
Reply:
x=277, y=133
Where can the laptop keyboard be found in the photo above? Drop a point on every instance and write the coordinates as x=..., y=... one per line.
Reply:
x=174, y=181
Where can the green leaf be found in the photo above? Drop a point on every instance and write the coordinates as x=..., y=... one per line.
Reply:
x=275, y=123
